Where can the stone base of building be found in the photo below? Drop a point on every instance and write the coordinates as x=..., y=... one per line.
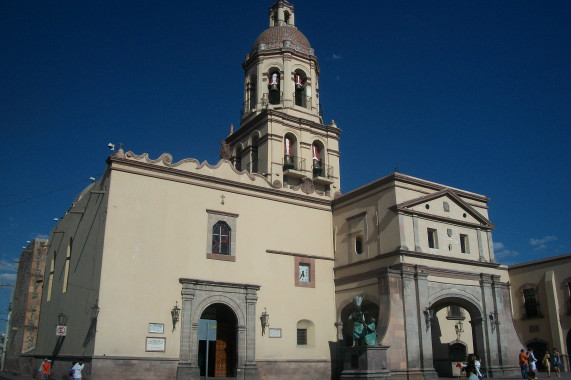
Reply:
x=132, y=368
x=505, y=371
x=369, y=362
x=294, y=369
x=414, y=374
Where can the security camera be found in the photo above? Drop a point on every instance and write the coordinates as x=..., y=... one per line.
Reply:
x=111, y=146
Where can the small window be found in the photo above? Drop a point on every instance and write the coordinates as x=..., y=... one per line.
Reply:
x=464, y=246
x=432, y=238
x=221, y=238
x=531, y=304
x=359, y=245
x=302, y=337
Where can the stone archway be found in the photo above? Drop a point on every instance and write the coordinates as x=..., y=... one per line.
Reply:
x=240, y=299
x=444, y=327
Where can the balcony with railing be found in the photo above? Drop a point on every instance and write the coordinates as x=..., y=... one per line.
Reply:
x=294, y=166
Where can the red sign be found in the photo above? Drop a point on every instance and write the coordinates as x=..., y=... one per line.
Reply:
x=61, y=330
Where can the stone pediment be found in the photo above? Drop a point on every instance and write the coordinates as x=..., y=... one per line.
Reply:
x=445, y=205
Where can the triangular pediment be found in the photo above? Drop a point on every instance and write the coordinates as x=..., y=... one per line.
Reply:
x=447, y=205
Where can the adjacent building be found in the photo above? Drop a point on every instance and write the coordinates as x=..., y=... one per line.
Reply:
x=541, y=301
x=25, y=308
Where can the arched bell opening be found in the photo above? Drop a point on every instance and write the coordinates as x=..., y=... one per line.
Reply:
x=237, y=158
x=274, y=86
x=317, y=159
x=251, y=93
x=291, y=157
x=217, y=353
x=300, y=84
x=254, y=158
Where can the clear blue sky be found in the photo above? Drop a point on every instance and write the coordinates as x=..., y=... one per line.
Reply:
x=472, y=94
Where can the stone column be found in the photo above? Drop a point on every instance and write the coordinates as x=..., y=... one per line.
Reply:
x=248, y=336
x=491, y=247
x=402, y=234
x=188, y=364
x=416, y=235
x=480, y=247
x=411, y=315
x=491, y=340
x=424, y=336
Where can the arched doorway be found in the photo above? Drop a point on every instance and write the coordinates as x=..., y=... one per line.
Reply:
x=456, y=332
x=539, y=347
x=222, y=354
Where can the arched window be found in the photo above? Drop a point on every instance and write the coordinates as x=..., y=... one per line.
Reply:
x=252, y=95
x=300, y=80
x=221, y=235
x=317, y=153
x=274, y=87
x=290, y=152
x=238, y=159
x=305, y=333
x=254, y=153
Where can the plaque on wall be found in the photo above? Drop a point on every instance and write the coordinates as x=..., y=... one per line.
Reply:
x=157, y=328
x=155, y=344
x=275, y=333
x=534, y=328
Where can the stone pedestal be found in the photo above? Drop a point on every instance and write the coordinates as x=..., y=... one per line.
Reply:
x=366, y=362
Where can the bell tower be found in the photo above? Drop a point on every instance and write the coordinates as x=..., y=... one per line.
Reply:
x=281, y=134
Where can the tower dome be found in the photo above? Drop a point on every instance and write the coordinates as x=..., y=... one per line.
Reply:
x=283, y=36
x=282, y=32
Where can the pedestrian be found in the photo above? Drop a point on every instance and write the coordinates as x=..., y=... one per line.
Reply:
x=546, y=363
x=77, y=368
x=477, y=365
x=45, y=369
x=523, y=363
x=70, y=372
x=531, y=375
x=532, y=360
x=557, y=364
x=471, y=371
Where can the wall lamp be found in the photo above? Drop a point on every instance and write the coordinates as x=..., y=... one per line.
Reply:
x=494, y=321
x=61, y=318
x=265, y=320
x=459, y=326
x=175, y=314
x=95, y=310
x=428, y=316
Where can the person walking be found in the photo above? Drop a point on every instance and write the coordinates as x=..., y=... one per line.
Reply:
x=532, y=361
x=557, y=364
x=45, y=370
x=547, y=363
x=77, y=368
x=523, y=363
x=477, y=365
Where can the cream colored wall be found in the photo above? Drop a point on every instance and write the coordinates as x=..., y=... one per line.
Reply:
x=156, y=234
x=378, y=217
x=448, y=331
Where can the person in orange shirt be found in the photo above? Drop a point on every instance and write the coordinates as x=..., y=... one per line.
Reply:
x=45, y=369
x=523, y=363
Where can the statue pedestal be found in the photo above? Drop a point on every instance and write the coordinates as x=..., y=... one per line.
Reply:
x=365, y=362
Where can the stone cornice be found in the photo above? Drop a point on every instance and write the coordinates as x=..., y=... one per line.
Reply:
x=398, y=177
x=435, y=269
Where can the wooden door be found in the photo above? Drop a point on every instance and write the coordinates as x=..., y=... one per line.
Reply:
x=220, y=366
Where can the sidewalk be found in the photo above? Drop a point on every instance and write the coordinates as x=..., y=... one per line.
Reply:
x=542, y=376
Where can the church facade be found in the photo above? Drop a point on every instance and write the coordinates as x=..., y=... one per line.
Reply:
x=156, y=255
